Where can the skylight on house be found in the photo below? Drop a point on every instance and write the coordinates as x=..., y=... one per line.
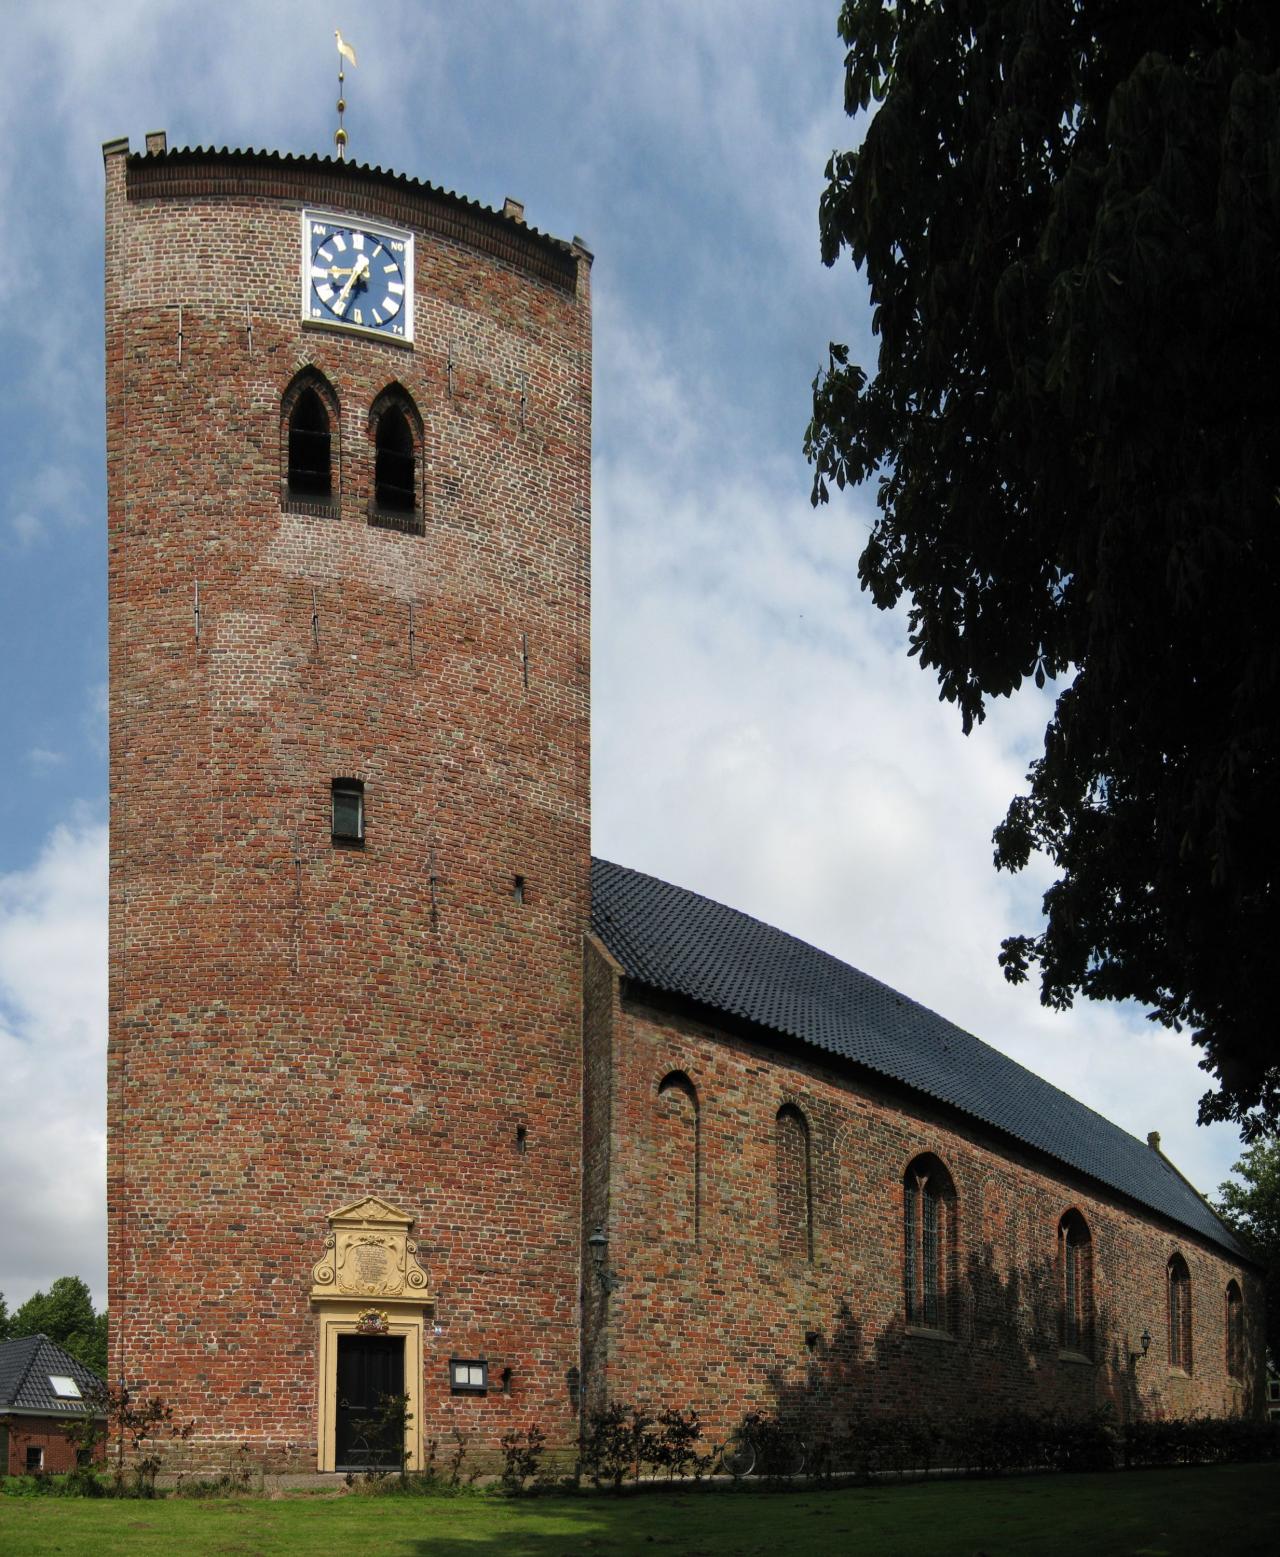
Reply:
x=64, y=1387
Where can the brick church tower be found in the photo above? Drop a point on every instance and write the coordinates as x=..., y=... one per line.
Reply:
x=348, y=447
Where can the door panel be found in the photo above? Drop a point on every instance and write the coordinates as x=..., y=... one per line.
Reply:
x=370, y=1367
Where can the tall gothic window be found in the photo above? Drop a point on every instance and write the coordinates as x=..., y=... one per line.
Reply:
x=929, y=1243
x=679, y=1154
x=1075, y=1266
x=794, y=1184
x=1179, y=1286
x=1235, y=1332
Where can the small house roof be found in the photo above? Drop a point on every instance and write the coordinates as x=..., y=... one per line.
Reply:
x=32, y=1369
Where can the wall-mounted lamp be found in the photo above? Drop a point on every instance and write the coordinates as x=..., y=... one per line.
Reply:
x=598, y=1246
x=1144, y=1341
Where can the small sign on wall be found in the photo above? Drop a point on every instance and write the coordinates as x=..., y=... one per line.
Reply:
x=468, y=1376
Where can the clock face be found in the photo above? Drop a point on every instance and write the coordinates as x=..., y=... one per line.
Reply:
x=357, y=276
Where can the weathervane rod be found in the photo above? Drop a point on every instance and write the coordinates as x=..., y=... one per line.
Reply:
x=345, y=51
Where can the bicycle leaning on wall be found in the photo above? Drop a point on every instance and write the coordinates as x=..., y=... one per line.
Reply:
x=763, y=1446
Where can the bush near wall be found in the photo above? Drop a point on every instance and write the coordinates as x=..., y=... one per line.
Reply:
x=1200, y=1440
x=986, y=1444
x=622, y=1443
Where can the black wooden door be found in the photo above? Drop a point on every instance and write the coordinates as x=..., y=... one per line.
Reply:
x=370, y=1367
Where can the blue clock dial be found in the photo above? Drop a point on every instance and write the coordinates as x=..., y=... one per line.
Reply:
x=359, y=277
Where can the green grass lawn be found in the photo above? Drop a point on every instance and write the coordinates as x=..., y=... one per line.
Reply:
x=1228, y=1509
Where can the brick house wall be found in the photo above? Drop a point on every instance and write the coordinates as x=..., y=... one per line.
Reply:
x=20, y=1434
x=294, y=1025
x=740, y=1318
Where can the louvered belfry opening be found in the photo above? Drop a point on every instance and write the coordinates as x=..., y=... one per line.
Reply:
x=310, y=461
x=394, y=464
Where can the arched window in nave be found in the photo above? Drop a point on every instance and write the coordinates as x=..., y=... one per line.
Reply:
x=930, y=1243
x=1075, y=1284
x=679, y=1158
x=793, y=1171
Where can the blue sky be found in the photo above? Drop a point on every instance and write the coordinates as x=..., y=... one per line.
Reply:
x=759, y=733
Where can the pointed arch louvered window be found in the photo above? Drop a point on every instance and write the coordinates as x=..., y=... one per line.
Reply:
x=309, y=463
x=396, y=430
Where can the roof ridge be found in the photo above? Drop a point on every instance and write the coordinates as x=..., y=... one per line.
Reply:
x=37, y=1338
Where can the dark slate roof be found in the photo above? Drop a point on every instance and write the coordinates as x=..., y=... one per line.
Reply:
x=25, y=1369
x=675, y=941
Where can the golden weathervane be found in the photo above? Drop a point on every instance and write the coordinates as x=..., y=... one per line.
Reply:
x=345, y=52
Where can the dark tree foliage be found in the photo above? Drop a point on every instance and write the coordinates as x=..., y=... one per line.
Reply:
x=1251, y=1205
x=1069, y=215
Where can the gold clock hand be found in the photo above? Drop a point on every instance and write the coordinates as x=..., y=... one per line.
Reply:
x=357, y=270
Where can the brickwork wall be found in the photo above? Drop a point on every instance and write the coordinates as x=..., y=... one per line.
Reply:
x=600, y=1017
x=723, y=1323
x=294, y=1026
x=39, y=1432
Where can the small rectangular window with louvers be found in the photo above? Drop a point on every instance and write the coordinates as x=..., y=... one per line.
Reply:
x=468, y=1375
x=348, y=811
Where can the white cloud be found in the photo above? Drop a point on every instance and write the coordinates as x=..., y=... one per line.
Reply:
x=50, y=497
x=53, y=1024
x=26, y=528
x=761, y=736
x=41, y=758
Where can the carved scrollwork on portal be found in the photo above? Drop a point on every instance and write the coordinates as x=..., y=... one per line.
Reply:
x=322, y=1274
x=368, y=1253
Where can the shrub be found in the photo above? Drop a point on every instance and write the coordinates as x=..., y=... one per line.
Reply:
x=235, y=1481
x=384, y=1432
x=673, y=1449
x=612, y=1444
x=522, y=1453
x=1198, y=1440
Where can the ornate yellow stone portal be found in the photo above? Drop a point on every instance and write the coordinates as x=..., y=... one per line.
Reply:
x=368, y=1283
